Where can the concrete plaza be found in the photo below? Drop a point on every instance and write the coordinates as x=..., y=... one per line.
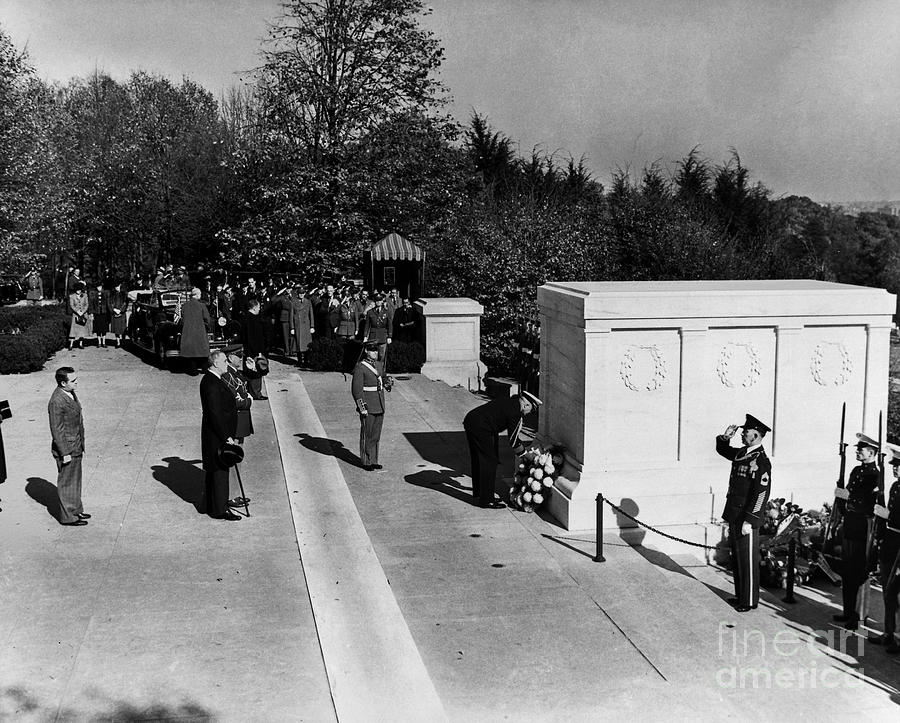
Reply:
x=356, y=596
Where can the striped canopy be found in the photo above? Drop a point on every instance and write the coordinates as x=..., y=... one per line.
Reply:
x=394, y=247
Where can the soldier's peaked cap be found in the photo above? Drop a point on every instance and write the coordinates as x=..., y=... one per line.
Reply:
x=752, y=422
x=864, y=440
x=893, y=451
x=371, y=346
x=531, y=398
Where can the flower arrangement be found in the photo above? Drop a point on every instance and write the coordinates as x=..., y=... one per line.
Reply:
x=536, y=471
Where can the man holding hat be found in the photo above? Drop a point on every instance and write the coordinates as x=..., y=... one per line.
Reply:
x=367, y=388
x=889, y=557
x=217, y=432
x=860, y=496
x=749, y=487
x=483, y=425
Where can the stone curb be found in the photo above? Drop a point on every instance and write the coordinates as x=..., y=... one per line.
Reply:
x=374, y=668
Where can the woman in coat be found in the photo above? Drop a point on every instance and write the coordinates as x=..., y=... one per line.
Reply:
x=80, y=326
x=195, y=325
x=117, y=301
x=302, y=322
x=99, y=313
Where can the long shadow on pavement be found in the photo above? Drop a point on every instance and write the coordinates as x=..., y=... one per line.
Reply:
x=44, y=493
x=443, y=481
x=328, y=447
x=447, y=449
x=183, y=477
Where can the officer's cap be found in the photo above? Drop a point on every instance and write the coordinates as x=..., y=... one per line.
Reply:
x=753, y=423
x=864, y=440
x=893, y=453
x=371, y=346
x=530, y=397
x=234, y=349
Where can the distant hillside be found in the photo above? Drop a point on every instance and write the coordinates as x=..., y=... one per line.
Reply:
x=854, y=208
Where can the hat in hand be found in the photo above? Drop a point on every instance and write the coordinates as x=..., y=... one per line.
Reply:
x=230, y=455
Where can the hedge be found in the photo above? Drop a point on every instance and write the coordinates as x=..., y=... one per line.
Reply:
x=337, y=355
x=29, y=335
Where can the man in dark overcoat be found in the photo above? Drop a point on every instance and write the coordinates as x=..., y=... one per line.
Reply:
x=217, y=428
x=749, y=487
x=860, y=497
x=483, y=426
x=279, y=308
x=367, y=389
x=195, y=324
x=253, y=338
x=67, y=447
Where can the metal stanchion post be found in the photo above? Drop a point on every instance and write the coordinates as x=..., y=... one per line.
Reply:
x=599, y=556
x=791, y=570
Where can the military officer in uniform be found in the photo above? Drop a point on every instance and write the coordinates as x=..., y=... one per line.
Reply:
x=748, y=491
x=860, y=496
x=368, y=394
x=379, y=326
x=483, y=425
x=889, y=557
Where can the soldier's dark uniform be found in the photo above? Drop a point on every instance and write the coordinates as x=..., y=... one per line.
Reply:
x=859, y=510
x=748, y=491
x=379, y=327
x=888, y=558
x=367, y=388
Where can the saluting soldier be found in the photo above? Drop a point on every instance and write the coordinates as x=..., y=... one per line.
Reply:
x=379, y=326
x=889, y=557
x=368, y=393
x=483, y=425
x=860, y=496
x=748, y=491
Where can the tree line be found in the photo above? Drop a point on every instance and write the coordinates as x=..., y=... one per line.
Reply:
x=341, y=138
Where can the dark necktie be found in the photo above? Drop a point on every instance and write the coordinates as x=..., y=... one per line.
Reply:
x=75, y=397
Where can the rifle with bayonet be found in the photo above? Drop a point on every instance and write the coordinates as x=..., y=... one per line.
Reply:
x=837, y=510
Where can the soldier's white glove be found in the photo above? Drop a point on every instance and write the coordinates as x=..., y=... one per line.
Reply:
x=881, y=512
x=746, y=528
x=841, y=493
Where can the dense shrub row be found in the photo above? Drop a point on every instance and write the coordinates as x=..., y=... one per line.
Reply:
x=335, y=355
x=29, y=335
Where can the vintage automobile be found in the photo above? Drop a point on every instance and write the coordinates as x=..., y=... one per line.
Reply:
x=11, y=289
x=155, y=324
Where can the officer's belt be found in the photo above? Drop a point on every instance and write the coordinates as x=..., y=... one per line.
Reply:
x=370, y=389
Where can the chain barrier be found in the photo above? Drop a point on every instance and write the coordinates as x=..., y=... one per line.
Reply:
x=658, y=532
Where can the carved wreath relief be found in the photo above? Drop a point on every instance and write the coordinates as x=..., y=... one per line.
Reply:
x=831, y=364
x=643, y=368
x=738, y=365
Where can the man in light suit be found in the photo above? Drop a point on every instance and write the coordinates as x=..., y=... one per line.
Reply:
x=67, y=430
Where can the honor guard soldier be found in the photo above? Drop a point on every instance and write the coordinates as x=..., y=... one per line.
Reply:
x=860, y=496
x=368, y=388
x=889, y=557
x=482, y=425
x=748, y=491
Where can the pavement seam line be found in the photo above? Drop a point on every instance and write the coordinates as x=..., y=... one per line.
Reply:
x=115, y=543
x=287, y=493
x=372, y=661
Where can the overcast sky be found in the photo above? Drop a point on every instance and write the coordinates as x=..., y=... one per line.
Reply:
x=807, y=91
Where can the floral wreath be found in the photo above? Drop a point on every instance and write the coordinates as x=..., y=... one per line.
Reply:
x=659, y=369
x=725, y=357
x=536, y=472
x=818, y=359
